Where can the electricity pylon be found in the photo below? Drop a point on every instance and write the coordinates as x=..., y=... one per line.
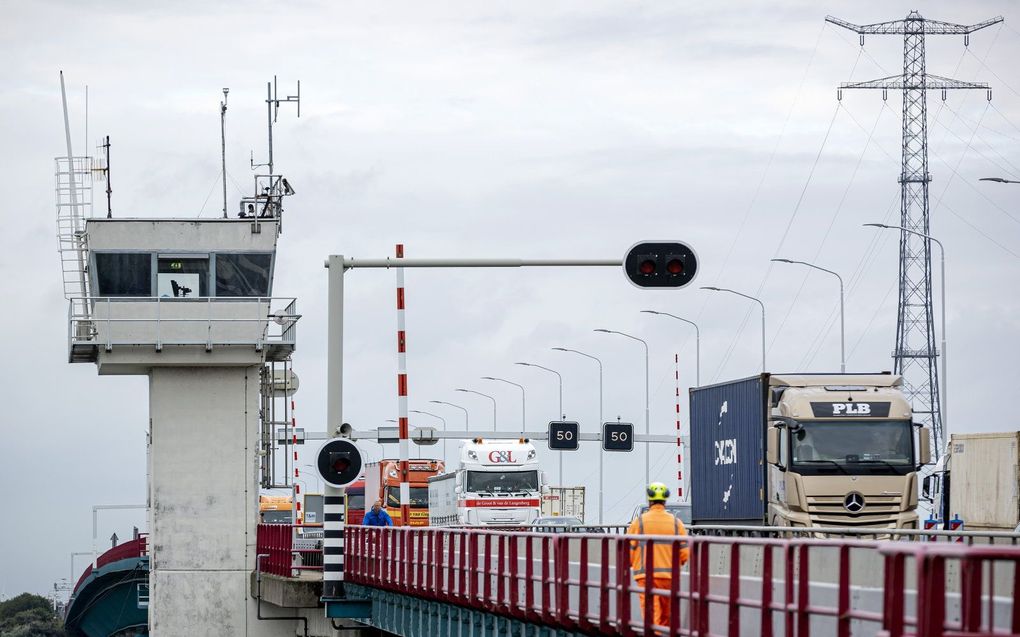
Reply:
x=915, y=355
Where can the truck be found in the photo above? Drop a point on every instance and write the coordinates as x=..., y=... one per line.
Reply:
x=382, y=483
x=498, y=483
x=806, y=450
x=977, y=481
x=564, y=501
x=356, y=502
x=276, y=509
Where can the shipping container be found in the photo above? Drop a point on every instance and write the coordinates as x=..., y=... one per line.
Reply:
x=728, y=427
x=567, y=501
x=985, y=480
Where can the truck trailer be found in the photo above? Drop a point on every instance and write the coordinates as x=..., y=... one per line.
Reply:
x=977, y=482
x=564, y=501
x=498, y=483
x=806, y=450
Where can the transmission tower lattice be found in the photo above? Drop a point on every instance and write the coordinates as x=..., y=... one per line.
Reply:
x=915, y=354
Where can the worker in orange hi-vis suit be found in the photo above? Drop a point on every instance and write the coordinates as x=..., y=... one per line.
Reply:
x=656, y=521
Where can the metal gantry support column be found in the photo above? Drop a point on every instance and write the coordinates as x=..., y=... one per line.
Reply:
x=333, y=527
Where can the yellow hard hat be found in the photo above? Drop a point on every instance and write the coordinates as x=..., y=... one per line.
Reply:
x=658, y=492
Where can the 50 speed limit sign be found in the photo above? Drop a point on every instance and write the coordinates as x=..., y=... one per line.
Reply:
x=618, y=436
x=563, y=436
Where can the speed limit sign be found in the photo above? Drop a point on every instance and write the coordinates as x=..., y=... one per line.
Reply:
x=618, y=436
x=563, y=436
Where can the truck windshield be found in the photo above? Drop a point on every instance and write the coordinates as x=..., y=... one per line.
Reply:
x=276, y=517
x=501, y=481
x=853, y=447
x=419, y=497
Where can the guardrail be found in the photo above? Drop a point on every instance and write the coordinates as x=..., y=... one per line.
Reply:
x=287, y=556
x=108, y=322
x=928, y=535
x=584, y=582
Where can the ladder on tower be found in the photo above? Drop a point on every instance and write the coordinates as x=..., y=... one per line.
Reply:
x=73, y=186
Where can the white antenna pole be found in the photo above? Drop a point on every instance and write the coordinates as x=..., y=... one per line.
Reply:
x=269, y=113
x=223, y=146
x=70, y=157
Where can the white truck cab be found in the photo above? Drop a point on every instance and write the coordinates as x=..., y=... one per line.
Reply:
x=498, y=483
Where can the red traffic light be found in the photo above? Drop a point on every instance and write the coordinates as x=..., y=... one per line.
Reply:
x=341, y=464
x=660, y=264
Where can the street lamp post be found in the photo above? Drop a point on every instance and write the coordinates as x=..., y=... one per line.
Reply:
x=842, y=324
x=758, y=301
x=524, y=418
x=943, y=426
x=471, y=391
x=697, y=341
x=467, y=421
x=560, y=414
x=648, y=445
x=601, y=451
x=998, y=180
x=441, y=419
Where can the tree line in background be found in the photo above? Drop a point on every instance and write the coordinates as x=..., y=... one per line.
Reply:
x=29, y=615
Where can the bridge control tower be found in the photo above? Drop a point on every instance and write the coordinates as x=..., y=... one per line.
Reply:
x=188, y=303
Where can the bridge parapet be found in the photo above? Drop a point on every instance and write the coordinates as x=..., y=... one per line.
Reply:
x=583, y=583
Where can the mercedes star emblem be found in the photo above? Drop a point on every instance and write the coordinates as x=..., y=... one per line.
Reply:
x=853, y=502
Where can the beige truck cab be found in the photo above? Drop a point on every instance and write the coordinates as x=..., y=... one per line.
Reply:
x=842, y=450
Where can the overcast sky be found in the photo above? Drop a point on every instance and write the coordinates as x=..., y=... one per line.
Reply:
x=507, y=129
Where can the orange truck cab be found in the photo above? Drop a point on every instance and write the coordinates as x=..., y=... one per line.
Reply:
x=382, y=483
x=275, y=509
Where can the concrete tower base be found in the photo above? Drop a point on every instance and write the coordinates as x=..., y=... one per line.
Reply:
x=204, y=501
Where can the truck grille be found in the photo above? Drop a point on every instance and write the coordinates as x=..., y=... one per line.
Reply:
x=879, y=511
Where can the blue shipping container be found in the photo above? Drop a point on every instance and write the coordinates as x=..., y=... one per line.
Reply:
x=728, y=451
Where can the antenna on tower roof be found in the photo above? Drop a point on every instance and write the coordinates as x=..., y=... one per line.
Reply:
x=273, y=101
x=223, y=146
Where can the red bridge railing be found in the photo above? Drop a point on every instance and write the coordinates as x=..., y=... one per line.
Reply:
x=284, y=556
x=731, y=586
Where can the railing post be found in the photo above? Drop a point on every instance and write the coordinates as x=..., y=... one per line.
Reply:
x=674, y=587
x=623, y=586
x=843, y=593
x=159, y=317
x=803, y=592
x=582, y=587
x=208, y=330
x=562, y=579
x=766, y=629
x=109, y=327
x=604, y=584
x=734, y=591
x=649, y=596
x=501, y=572
x=547, y=614
x=970, y=593
x=486, y=572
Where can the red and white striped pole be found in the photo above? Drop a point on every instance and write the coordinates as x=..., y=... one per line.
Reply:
x=405, y=487
x=295, y=491
x=679, y=441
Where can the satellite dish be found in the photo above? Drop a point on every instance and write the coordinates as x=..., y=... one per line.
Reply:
x=280, y=317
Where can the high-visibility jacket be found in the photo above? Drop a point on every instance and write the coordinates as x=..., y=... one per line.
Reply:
x=656, y=521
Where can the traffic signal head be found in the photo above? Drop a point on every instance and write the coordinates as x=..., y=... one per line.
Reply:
x=660, y=264
x=339, y=462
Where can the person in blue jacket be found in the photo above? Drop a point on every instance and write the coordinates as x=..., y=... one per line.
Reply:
x=377, y=517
